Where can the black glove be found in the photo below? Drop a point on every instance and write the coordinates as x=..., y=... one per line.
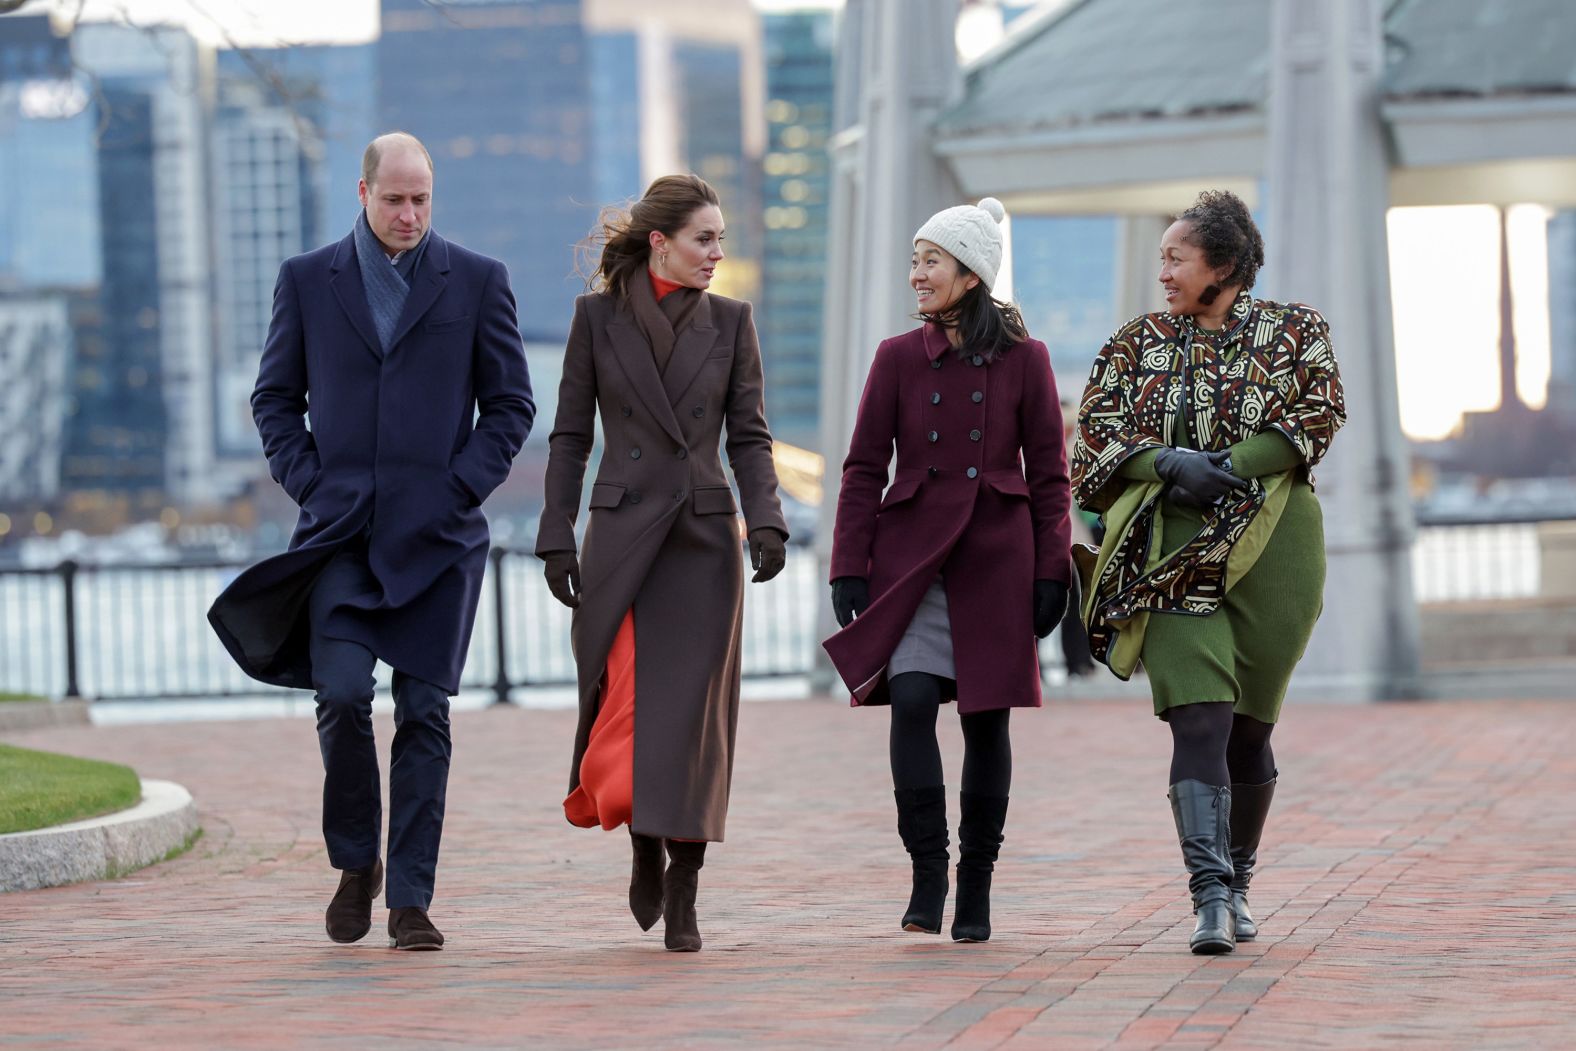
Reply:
x=1050, y=602
x=1205, y=477
x=850, y=598
x=1187, y=498
x=768, y=553
x=563, y=577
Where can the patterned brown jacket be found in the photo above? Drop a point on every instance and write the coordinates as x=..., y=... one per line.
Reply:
x=1270, y=368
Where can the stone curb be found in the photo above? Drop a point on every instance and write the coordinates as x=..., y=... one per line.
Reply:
x=101, y=847
x=39, y=715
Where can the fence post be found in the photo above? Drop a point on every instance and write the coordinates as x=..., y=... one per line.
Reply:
x=501, y=680
x=68, y=582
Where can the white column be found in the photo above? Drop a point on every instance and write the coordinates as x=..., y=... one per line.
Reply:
x=886, y=182
x=1138, y=265
x=1326, y=198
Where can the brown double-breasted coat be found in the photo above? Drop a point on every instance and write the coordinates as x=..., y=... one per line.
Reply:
x=663, y=538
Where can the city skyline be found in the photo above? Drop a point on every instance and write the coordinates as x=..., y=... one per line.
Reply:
x=251, y=156
x=283, y=22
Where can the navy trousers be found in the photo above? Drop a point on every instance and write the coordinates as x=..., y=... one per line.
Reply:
x=419, y=763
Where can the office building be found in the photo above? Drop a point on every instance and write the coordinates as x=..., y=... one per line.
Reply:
x=799, y=60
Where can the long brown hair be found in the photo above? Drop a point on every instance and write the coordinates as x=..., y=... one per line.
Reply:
x=621, y=242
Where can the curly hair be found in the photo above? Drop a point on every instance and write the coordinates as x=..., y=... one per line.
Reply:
x=1224, y=228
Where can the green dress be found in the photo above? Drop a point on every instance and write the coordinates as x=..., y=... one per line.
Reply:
x=1244, y=652
x=1217, y=607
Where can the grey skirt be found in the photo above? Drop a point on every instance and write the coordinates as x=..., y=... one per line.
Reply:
x=927, y=644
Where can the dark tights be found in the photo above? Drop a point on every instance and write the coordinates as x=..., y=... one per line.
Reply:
x=916, y=758
x=1212, y=744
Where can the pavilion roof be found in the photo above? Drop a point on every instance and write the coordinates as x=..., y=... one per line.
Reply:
x=1107, y=61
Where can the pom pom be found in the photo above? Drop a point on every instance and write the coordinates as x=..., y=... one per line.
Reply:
x=993, y=208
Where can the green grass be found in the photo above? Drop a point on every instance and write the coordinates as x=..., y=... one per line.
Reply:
x=39, y=789
x=19, y=696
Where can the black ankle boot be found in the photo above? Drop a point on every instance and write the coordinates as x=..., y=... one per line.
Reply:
x=922, y=822
x=979, y=841
x=679, y=884
x=1250, y=805
x=645, y=880
x=1203, y=819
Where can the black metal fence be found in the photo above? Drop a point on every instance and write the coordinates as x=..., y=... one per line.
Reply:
x=140, y=631
x=132, y=632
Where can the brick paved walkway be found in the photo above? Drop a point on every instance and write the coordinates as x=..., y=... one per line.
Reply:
x=1419, y=889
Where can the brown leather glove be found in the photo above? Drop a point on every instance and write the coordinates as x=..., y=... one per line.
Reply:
x=563, y=577
x=768, y=553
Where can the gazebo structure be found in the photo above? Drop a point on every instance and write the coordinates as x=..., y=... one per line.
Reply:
x=1322, y=114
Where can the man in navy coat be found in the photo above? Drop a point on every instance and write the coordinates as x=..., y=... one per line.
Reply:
x=403, y=352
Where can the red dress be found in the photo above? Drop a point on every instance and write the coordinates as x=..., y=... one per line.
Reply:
x=606, y=794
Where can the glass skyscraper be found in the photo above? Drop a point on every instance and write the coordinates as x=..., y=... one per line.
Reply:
x=498, y=92
x=288, y=133
x=145, y=407
x=118, y=432
x=330, y=94
x=49, y=234
x=539, y=113
x=799, y=54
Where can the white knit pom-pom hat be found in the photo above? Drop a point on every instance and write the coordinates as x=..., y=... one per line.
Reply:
x=972, y=233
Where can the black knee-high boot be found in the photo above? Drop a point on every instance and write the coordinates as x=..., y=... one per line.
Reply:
x=922, y=822
x=1203, y=819
x=679, y=884
x=979, y=841
x=645, y=880
x=1250, y=806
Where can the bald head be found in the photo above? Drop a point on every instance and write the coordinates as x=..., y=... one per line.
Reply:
x=384, y=145
x=396, y=190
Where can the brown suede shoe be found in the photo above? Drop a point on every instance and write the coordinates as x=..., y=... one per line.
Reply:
x=349, y=915
x=410, y=929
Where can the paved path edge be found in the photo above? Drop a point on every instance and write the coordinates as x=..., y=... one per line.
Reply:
x=38, y=715
x=164, y=823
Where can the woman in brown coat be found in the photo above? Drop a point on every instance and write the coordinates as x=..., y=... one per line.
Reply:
x=943, y=581
x=657, y=586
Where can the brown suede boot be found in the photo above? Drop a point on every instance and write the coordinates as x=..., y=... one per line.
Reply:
x=349, y=914
x=645, y=880
x=410, y=929
x=679, y=885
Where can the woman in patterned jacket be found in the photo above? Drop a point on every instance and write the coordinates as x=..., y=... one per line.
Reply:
x=1197, y=435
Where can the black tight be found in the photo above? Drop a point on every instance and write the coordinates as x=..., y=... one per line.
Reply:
x=1248, y=753
x=916, y=758
x=1210, y=743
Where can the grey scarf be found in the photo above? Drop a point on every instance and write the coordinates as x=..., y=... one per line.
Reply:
x=387, y=286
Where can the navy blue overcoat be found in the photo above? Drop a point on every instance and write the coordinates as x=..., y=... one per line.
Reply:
x=403, y=447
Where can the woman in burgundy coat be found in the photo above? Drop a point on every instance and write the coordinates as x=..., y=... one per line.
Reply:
x=942, y=583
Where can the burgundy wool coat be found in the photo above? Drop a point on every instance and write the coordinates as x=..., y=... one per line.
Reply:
x=663, y=538
x=980, y=496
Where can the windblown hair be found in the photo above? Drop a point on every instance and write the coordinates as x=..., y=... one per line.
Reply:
x=1224, y=228
x=988, y=326
x=621, y=242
